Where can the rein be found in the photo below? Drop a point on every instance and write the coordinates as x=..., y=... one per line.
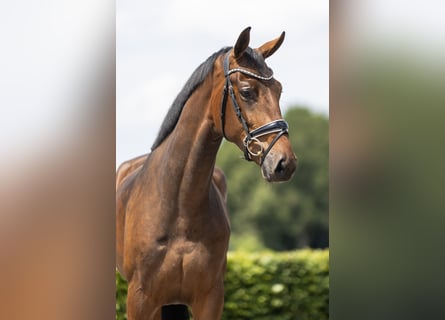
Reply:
x=277, y=126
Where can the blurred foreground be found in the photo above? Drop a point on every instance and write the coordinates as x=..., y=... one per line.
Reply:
x=57, y=167
x=386, y=158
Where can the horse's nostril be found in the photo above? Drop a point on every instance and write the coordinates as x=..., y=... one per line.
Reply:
x=280, y=166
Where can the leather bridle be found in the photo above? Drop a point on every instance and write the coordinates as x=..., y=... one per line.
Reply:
x=277, y=126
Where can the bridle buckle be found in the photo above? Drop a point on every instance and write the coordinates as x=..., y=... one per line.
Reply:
x=248, y=145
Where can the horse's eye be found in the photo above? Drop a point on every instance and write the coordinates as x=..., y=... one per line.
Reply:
x=246, y=93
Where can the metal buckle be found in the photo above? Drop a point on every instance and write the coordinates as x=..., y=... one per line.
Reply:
x=247, y=145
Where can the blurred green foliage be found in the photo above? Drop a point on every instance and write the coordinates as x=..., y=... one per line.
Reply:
x=282, y=216
x=266, y=285
x=121, y=297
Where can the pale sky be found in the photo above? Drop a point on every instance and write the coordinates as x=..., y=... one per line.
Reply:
x=159, y=46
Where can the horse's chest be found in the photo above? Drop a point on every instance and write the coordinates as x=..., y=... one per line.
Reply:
x=186, y=265
x=202, y=244
x=185, y=251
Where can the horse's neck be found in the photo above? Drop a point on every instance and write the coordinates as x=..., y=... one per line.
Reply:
x=187, y=157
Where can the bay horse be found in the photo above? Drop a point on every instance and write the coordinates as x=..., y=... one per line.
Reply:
x=172, y=225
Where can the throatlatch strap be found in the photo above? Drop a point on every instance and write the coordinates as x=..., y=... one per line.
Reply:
x=223, y=110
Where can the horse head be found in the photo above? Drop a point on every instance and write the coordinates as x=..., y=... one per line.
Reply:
x=253, y=120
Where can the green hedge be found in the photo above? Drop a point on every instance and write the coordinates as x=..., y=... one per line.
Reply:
x=279, y=286
x=269, y=285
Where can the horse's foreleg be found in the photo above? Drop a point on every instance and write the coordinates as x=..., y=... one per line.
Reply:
x=158, y=315
x=209, y=306
x=138, y=307
x=135, y=301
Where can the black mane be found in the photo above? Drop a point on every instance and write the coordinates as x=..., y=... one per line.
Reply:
x=192, y=83
x=253, y=60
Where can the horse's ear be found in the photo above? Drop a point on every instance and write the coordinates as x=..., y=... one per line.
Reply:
x=270, y=47
x=242, y=43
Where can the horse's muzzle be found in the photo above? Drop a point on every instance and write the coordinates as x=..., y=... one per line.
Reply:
x=278, y=167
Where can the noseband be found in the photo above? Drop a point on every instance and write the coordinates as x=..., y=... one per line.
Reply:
x=277, y=126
